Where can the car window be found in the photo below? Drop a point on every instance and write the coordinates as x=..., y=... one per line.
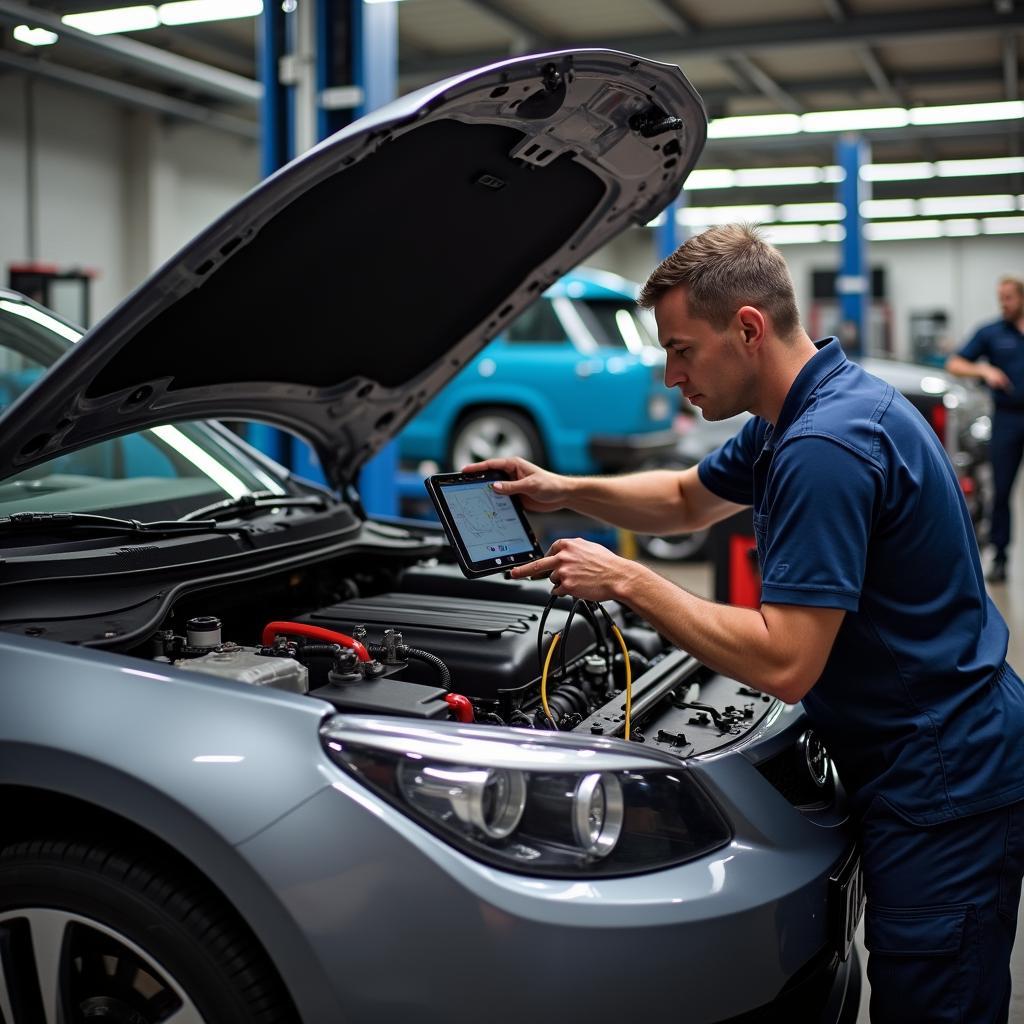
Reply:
x=163, y=472
x=616, y=323
x=537, y=323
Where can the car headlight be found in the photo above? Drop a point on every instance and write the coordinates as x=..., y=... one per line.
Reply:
x=555, y=806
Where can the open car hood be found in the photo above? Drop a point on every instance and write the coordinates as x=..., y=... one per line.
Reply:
x=344, y=291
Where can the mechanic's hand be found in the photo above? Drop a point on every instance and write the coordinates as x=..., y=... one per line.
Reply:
x=580, y=568
x=539, y=489
x=997, y=380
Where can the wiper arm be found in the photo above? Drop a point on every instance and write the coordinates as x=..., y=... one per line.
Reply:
x=42, y=521
x=258, y=499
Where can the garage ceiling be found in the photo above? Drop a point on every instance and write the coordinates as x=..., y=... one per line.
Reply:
x=793, y=56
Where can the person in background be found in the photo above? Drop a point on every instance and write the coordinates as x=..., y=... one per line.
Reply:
x=874, y=612
x=1001, y=345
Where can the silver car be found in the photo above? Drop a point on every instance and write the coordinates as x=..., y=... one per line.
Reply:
x=264, y=758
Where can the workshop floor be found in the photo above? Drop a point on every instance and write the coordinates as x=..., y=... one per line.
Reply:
x=1009, y=597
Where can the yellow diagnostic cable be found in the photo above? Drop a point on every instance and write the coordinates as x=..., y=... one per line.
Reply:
x=629, y=678
x=544, y=680
x=629, y=675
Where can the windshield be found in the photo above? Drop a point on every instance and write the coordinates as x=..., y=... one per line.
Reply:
x=617, y=323
x=160, y=473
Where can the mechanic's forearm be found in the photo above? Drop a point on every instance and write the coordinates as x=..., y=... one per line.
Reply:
x=961, y=367
x=648, y=502
x=733, y=641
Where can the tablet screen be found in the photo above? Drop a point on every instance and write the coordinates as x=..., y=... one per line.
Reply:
x=489, y=531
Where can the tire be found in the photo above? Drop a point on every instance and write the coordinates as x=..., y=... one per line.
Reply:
x=493, y=432
x=681, y=547
x=88, y=932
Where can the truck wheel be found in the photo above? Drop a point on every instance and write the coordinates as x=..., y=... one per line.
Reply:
x=680, y=547
x=87, y=930
x=495, y=433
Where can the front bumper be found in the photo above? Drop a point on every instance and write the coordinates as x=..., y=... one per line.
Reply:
x=627, y=451
x=404, y=926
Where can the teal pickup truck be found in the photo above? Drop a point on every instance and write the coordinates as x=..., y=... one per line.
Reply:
x=575, y=383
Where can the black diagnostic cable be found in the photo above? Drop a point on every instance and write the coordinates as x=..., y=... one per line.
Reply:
x=417, y=655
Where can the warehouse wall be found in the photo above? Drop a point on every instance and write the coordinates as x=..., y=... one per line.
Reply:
x=957, y=275
x=117, y=190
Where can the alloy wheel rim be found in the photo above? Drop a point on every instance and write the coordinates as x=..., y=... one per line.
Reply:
x=65, y=968
x=490, y=437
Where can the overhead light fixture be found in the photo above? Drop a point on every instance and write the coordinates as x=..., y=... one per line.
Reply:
x=895, y=230
x=961, y=227
x=854, y=120
x=888, y=208
x=757, y=176
x=711, y=178
x=754, y=126
x=790, y=212
x=793, y=234
x=993, y=165
x=1003, y=225
x=34, y=36
x=939, y=206
x=703, y=216
x=897, y=172
x=117, y=19
x=1005, y=110
x=191, y=12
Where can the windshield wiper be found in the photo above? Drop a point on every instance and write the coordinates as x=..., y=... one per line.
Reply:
x=43, y=521
x=256, y=500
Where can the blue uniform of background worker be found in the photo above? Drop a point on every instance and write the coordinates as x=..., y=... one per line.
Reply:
x=1001, y=343
x=874, y=612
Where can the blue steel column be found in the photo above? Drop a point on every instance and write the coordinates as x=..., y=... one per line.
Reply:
x=853, y=282
x=375, y=30
x=274, y=153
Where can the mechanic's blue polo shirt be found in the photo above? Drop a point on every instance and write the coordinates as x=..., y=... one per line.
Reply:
x=856, y=506
x=1003, y=345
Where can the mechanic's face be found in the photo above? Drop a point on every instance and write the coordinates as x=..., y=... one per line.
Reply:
x=704, y=363
x=1011, y=301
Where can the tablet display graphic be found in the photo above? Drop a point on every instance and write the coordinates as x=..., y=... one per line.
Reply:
x=488, y=522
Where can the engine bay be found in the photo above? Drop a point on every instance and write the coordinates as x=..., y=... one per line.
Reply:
x=424, y=642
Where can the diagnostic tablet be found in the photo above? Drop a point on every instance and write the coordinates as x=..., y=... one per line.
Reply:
x=488, y=531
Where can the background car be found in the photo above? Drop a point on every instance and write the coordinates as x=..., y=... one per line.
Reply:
x=575, y=383
x=959, y=414
x=265, y=759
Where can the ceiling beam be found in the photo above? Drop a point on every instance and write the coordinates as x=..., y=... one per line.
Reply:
x=789, y=35
x=524, y=35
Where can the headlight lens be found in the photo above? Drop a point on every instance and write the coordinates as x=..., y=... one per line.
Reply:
x=533, y=819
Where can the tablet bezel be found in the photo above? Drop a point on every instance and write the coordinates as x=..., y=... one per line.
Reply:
x=485, y=567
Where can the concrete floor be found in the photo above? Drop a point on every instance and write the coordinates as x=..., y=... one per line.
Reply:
x=1009, y=597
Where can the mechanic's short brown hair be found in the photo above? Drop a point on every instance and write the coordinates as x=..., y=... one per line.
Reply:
x=1015, y=281
x=724, y=268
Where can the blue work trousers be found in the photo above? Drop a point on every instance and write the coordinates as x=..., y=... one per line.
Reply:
x=941, y=915
x=1005, y=451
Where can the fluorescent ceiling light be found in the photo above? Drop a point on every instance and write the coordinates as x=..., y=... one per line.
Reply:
x=118, y=19
x=780, y=176
x=34, y=36
x=897, y=172
x=810, y=211
x=994, y=165
x=939, y=206
x=190, y=12
x=1003, y=225
x=705, y=215
x=41, y=318
x=793, y=234
x=1006, y=110
x=962, y=227
x=710, y=178
x=203, y=461
x=888, y=208
x=854, y=120
x=897, y=229
x=754, y=126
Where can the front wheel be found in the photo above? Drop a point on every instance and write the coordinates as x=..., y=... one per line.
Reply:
x=88, y=933
x=495, y=433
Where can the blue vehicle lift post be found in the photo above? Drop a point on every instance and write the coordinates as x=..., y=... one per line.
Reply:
x=853, y=282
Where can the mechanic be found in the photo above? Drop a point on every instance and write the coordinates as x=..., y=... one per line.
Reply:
x=874, y=611
x=1001, y=343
